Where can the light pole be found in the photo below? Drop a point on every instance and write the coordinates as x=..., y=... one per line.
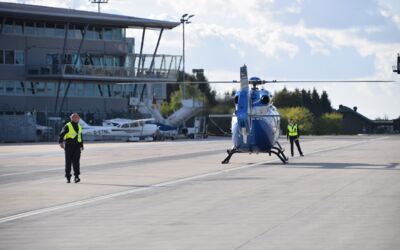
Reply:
x=98, y=3
x=184, y=20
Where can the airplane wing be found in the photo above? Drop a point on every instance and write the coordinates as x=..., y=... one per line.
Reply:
x=143, y=120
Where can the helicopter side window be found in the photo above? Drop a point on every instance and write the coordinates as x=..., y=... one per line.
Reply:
x=236, y=99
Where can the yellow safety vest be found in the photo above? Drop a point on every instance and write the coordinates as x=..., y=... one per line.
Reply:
x=292, y=130
x=72, y=133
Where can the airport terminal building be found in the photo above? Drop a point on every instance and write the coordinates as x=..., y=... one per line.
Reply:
x=55, y=61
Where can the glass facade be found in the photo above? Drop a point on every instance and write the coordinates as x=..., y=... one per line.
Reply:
x=12, y=57
x=51, y=29
x=76, y=89
x=8, y=56
x=19, y=57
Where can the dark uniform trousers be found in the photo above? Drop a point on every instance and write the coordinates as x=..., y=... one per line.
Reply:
x=296, y=140
x=72, y=156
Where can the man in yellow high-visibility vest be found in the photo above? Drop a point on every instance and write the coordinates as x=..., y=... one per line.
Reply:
x=293, y=134
x=72, y=135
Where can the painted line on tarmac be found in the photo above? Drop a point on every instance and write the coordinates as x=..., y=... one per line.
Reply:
x=141, y=160
x=162, y=184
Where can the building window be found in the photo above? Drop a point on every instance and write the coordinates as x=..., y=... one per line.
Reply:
x=19, y=88
x=72, y=31
x=8, y=27
x=40, y=88
x=30, y=88
x=51, y=89
x=29, y=28
x=40, y=29
x=19, y=57
x=9, y=57
x=78, y=31
x=117, y=34
x=97, y=60
x=1, y=56
x=158, y=91
x=18, y=27
x=98, y=33
x=99, y=90
x=109, y=89
x=62, y=86
x=59, y=30
x=50, y=30
x=79, y=89
x=108, y=34
x=90, y=33
x=108, y=61
x=10, y=87
x=71, y=89
x=53, y=59
x=117, y=89
x=89, y=89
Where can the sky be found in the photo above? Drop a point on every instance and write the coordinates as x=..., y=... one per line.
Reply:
x=280, y=40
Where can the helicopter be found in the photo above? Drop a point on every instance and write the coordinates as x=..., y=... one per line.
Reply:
x=256, y=121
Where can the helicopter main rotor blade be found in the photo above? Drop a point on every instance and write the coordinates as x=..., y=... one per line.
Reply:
x=261, y=82
x=333, y=81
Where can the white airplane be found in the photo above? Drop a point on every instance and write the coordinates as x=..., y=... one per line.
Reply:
x=132, y=130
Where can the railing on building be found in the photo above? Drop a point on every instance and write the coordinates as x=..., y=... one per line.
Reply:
x=144, y=66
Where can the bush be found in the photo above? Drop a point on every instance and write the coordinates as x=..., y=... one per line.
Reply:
x=302, y=116
x=329, y=123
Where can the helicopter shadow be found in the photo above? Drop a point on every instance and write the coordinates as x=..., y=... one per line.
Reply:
x=340, y=165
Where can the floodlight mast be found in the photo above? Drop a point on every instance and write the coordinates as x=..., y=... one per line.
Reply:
x=98, y=3
x=184, y=20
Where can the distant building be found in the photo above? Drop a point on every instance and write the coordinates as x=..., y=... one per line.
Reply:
x=355, y=123
x=55, y=61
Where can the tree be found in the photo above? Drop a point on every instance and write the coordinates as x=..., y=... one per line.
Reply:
x=301, y=115
x=306, y=98
x=325, y=103
x=315, y=103
x=329, y=123
x=285, y=98
x=167, y=108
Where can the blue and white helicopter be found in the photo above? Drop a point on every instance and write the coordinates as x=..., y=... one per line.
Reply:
x=256, y=121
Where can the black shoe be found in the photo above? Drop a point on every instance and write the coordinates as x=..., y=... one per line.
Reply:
x=68, y=179
x=77, y=179
x=301, y=155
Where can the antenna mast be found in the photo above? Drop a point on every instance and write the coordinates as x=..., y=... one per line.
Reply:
x=98, y=3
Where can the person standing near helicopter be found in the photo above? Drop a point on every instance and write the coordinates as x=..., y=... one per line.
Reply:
x=293, y=135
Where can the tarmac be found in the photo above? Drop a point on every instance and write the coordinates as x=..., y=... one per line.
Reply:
x=344, y=194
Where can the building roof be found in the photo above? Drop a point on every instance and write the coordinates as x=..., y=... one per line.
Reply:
x=343, y=109
x=44, y=13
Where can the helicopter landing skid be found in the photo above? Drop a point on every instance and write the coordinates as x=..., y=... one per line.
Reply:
x=230, y=153
x=278, y=151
